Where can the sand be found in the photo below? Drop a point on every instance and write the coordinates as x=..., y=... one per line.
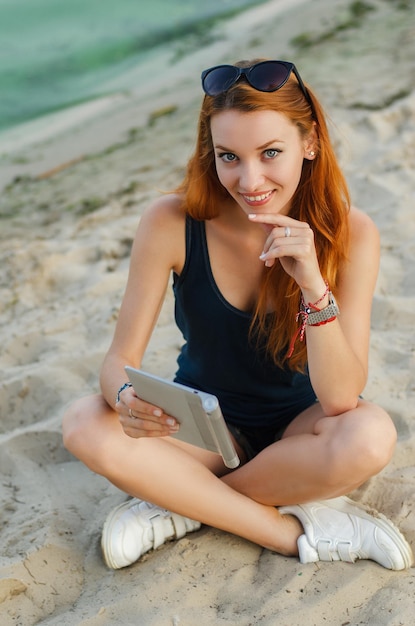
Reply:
x=73, y=188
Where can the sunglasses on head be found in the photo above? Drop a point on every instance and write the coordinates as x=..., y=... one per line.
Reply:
x=264, y=76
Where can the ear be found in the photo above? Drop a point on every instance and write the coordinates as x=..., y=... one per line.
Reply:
x=311, y=144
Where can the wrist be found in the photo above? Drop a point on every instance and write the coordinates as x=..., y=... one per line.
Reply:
x=317, y=313
x=320, y=316
x=121, y=389
x=316, y=298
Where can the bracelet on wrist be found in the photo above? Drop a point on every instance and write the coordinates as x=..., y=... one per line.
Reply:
x=121, y=389
x=330, y=319
x=311, y=315
x=314, y=305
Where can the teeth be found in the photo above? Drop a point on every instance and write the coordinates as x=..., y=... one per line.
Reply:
x=263, y=196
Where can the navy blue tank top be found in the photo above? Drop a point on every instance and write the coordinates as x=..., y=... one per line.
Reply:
x=219, y=356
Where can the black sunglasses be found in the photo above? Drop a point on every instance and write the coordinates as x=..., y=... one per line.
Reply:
x=264, y=76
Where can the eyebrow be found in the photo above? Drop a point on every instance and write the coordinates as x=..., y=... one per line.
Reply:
x=269, y=143
x=263, y=147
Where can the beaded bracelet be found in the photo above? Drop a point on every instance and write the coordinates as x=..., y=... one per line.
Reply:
x=318, y=317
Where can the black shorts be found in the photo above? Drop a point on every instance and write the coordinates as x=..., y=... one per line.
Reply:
x=252, y=441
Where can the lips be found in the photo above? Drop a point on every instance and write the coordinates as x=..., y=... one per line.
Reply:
x=257, y=199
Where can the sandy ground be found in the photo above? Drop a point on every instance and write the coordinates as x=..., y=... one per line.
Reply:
x=65, y=236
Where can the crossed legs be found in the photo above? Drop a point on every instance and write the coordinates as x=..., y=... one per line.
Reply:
x=317, y=458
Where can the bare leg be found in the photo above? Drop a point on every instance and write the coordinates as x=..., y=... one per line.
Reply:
x=175, y=476
x=319, y=457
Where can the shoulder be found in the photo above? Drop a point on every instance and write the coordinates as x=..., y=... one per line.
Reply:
x=164, y=217
x=362, y=228
x=364, y=249
x=166, y=210
x=161, y=232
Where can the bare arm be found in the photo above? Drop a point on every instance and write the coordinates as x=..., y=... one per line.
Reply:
x=337, y=352
x=158, y=248
x=338, y=356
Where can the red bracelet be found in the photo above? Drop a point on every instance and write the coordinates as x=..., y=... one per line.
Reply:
x=304, y=313
x=314, y=306
x=331, y=319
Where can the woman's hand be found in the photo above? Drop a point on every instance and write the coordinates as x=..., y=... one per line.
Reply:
x=141, y=419
x=292, y=242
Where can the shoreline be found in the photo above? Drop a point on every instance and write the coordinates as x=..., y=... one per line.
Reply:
x=51, y=51
x=67, y=224
x=56, y=139
x=96, y=125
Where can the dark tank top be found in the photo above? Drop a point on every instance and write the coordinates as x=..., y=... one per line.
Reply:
x=219, y=356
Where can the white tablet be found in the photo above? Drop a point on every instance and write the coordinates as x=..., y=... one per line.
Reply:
x=198, y=413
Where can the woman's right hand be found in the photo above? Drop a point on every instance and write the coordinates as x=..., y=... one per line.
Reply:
x=141, y=419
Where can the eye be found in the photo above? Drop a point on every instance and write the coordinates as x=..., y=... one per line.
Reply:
x=227, y=157
x=271, y=153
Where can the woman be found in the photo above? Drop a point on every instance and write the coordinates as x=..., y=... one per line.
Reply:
x=259, y=237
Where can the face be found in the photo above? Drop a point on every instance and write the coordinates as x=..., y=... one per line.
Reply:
x=259, y=157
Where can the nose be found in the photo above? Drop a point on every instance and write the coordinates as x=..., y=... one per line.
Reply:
x=251, y=176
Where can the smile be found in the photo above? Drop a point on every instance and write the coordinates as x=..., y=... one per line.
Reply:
x=257, y=198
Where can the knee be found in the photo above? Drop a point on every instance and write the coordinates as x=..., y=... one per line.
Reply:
x=76, y=424
x=377, y=439
x=363, y=445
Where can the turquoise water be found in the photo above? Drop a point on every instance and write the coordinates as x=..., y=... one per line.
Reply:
x=55, y=53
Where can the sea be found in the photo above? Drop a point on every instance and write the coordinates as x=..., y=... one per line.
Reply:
x=58, y=53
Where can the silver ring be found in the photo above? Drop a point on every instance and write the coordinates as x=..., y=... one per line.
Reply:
x=130, y=413
x=287, y=231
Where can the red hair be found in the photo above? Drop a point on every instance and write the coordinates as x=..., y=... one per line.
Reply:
x=321, y=199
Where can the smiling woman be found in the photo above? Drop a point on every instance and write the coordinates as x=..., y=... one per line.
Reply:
x=259, y=158
x=260, y=239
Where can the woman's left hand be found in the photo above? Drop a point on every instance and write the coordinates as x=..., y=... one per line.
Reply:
x=292, y=242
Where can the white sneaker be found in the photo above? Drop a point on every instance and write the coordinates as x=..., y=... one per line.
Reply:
x=342, y=530
x=135, y=527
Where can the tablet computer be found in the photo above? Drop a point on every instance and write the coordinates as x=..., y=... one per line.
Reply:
x=198, y=413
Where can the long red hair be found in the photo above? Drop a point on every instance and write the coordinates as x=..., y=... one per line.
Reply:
x=321, y=199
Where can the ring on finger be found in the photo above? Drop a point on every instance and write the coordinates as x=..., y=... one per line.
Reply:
x=131, y=414
x=287, y=231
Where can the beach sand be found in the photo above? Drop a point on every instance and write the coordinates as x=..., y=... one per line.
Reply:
x=73, y=188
